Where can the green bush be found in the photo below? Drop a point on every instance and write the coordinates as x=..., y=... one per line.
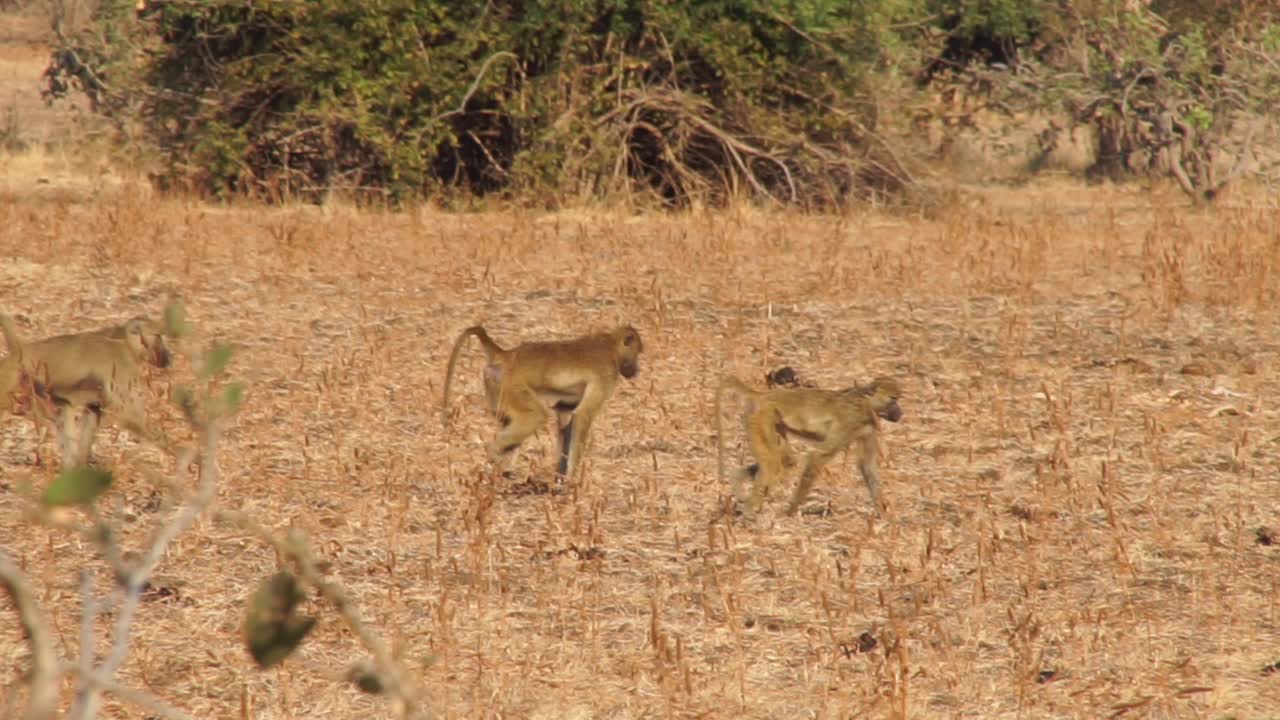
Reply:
x=988, y=30
x=534, y=98
x=547, y=100
x=1169, y=94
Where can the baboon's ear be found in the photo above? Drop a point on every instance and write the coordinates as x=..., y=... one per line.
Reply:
x=135, y=333
x=146, y=340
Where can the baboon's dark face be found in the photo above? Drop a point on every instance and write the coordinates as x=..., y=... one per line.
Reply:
x=783, y=376
x=891, y=411
x=156, y=351
x=159, y=352
x=629, y=367
x=147, y=340
x=885, y=399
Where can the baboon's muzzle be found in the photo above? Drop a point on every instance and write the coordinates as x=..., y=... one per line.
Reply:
x=891, y=412
x=628, y=368
x=160, y=356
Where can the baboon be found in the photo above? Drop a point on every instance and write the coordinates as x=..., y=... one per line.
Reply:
x=784, y=376
x=575, y=376
x=71, y=379
x=831, y=419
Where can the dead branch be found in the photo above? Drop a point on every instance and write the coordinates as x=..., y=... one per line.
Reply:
x=1241, y=164
x=294, y=548
x=139, y=698
x=92, y=680
x=475, y=85
x=43, y=697
x=488, y=155
x=738, y=151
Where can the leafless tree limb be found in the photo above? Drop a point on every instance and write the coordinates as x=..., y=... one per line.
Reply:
x=294, y=548
x=475, y=84
x=92, y=680
x=43, y=697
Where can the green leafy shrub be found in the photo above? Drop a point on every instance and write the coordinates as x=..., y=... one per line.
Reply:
x=548, y=100
x=1170, y=87
x=535, y=98
x=1180, y=95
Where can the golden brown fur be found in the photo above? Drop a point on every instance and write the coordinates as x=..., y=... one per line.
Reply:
x=576, y=376
x=70, y=380
x=830, y=419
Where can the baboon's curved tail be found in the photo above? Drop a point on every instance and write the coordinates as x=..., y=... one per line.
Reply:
x=491, y=348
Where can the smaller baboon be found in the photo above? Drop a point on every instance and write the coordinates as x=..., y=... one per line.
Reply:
x=830, y=419
x=576, y=376
x=784, y=376
x=70, y=380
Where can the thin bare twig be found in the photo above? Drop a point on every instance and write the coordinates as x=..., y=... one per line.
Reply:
x=137, y=697
x=94, y=680
x=1241, y=163
x=488, y=155
x=475, y=85
x=394, y=681
x=43, y=701
x=88, y=616
x=838, y=57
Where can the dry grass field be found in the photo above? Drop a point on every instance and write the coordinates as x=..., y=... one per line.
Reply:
x=1084, y=492
x=1076, y=490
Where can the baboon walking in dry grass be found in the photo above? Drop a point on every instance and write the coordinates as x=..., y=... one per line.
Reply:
x=575, y=376
x=71, y=380
x=829, y=419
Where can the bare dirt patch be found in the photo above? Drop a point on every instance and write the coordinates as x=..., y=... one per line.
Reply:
x=1088, y=453
x=46, y=149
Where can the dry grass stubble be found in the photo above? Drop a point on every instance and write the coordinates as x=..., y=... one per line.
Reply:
x=1088, y=448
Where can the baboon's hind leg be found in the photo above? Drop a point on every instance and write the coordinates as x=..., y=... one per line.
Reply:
x=520, y=416
x=767, y=447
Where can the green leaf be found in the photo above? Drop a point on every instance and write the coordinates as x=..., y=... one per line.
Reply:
x=175, y=321
x=232, y=396
x=215, y=360
x=1199, y=118
x=228, y=402
x=77, y=486
x=273, y=630
x=280, y=641
x=271, y=645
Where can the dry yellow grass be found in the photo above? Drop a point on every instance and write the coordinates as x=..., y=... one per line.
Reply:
x=1073, y=516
